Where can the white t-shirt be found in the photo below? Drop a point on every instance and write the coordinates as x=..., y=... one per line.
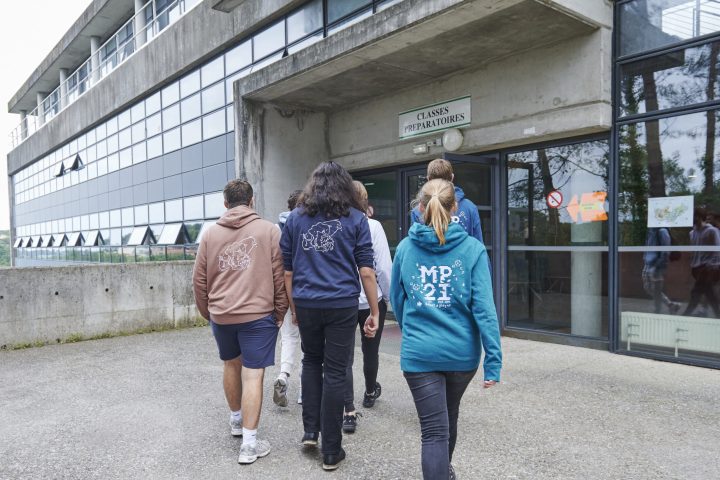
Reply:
x=383, y=263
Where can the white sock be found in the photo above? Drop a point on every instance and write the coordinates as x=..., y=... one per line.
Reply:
x=236, y=416
x=249, y=436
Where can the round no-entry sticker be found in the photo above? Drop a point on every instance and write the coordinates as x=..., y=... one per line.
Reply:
x=554, y=199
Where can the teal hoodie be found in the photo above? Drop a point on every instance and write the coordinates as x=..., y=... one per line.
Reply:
x=442, y=298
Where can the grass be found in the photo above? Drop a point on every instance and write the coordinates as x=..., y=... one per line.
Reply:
x=79, y=337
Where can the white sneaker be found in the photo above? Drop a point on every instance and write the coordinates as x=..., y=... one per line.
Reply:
x=249, y=453
x=280, y=391
x=300, y=396
x=235, y=427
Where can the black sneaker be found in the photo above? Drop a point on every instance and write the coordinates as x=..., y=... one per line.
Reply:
x=369, y=398
x=350, y=423
x=310, y=439
x=332, y=462
x=452, y=473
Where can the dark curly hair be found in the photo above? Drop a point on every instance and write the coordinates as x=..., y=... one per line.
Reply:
x=329, y=191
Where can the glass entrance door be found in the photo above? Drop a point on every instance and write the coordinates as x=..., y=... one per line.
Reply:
x=475, y=177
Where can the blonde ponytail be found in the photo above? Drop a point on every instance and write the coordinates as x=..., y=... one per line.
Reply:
x=438, y=199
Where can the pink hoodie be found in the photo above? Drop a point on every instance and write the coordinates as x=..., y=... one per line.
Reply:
x=238, y=274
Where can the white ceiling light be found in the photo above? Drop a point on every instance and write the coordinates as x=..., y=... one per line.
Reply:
x=452, y=139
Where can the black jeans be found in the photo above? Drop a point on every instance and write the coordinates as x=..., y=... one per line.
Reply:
x=327, y=336
x=437, y=398
x=370, y=348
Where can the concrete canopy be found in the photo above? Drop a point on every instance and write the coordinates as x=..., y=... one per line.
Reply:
x=400, y=48
x=101, y=19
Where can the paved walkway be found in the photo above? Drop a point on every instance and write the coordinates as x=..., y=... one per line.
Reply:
x=151, y=406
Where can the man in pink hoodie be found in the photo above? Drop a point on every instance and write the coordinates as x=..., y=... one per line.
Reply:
x=238, y=281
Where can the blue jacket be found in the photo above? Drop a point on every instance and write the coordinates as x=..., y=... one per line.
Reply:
x=467, y=215
x=324, y=255
x=442, y=298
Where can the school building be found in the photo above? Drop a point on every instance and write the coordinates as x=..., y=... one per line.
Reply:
x=584, y=130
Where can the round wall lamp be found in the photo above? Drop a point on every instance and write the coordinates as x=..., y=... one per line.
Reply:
x=452, y=139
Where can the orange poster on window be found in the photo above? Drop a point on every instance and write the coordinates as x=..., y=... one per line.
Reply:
x=591, y=207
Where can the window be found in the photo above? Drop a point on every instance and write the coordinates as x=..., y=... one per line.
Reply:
x=154, y=147
x=649, y=24
x=138, y=132
x=557, y=255
x=676, y=79
x=172, y=234
x=152, y=104
x=304, y=21
x=190, y=84
x=171, y=117
x=212, y=72
x=340, y=8
x=140, y=236
x=94, y=238
x=213, y=124
x=191, y=133
x=137, y=112
x=239, y=57
x=269, y=40
x=173, y=211
x=153, y=125
x=170, y=94
x=213, y=98
x=156, y=212
x=190, y=108
x=171, y=140
x=75, y=240
x=193, y=208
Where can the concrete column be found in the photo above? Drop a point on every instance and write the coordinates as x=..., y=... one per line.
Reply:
x=63, y=87
x=39, y=98
x=23, y=125
x=249, y=146
x=586, y=279
x=95, y=59
x=140, y=33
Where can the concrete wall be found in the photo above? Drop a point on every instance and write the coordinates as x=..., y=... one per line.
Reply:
x=542, y=94
x=278, y=149
x=53, y=303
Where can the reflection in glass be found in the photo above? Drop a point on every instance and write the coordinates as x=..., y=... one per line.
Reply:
x=171, y=140
x=213, y=97
x=190, y=84
x=213, y=124
x=156, y=212
x=193, y=207
x=170, y=94
x=305, y=20
x=675, y=79
x=190, y=108
x=191, y=133
x=212, y=72
x=269, y=40
x=238, y=57
x=173, y=211
x=649, y=24
x=668, y=220
x=557, y=238
x=382, y=197
x=339, y=8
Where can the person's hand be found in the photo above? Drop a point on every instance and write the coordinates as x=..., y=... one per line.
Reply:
x=489, y=383
x=294, y=318
x=279, y=321
x=371, y=326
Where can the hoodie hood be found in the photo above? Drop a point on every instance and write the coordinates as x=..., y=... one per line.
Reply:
x=238, y=217
x=459, y=195
x=282, y=218
x=425, y=237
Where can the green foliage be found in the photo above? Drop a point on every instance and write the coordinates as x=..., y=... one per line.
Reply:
x=4, y=248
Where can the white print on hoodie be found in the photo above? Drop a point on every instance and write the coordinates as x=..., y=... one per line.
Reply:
x=319, y=236
x=236, y=256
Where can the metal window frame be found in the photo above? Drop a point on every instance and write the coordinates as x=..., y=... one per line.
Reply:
x=617, y=123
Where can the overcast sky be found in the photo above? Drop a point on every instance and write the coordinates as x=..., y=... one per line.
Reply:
x=28, y=31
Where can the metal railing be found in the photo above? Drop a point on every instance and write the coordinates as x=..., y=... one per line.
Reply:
x=139, y=30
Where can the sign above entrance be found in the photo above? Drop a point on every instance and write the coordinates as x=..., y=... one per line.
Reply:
x=435, y=118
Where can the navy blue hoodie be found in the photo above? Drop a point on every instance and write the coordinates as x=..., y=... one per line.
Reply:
x=324, y=255
x=467, y=215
